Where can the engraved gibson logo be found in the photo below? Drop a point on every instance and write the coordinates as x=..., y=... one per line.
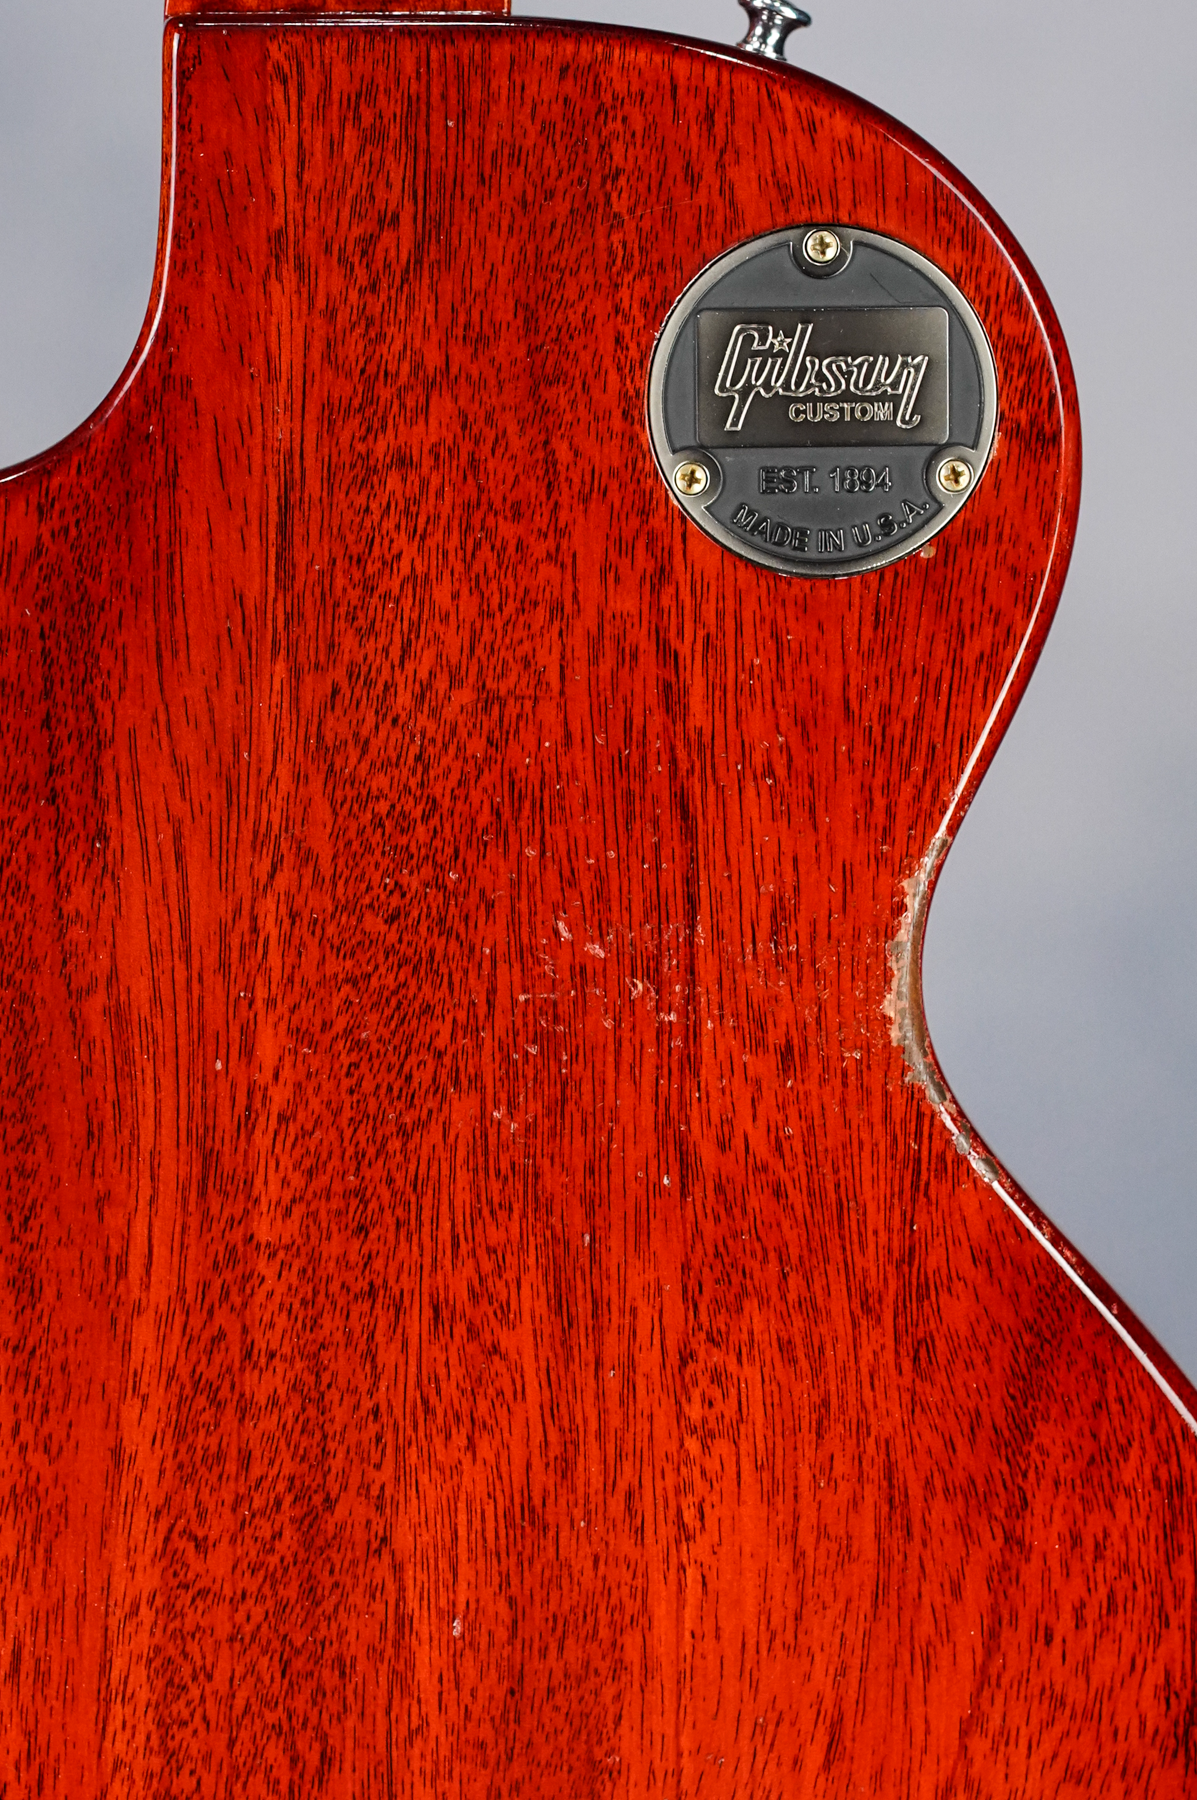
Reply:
x=761, y=359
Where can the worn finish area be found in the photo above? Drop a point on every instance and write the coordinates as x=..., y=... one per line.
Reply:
x=487, y=1311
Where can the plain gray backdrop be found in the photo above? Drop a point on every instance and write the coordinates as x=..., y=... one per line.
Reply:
x=1061, y=967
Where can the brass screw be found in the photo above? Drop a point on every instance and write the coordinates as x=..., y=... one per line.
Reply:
x=954, y=475
x=690, y=478
x=821, y=246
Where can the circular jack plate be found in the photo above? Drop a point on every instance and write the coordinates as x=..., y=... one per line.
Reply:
x=822, y=400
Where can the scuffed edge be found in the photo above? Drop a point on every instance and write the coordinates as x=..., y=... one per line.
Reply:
x=903, y=1006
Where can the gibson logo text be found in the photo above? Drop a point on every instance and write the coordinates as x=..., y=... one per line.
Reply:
x=762, y=360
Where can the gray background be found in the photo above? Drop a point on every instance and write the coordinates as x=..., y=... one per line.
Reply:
x=1061, y=971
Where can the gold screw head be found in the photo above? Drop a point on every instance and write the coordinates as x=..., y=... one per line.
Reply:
x=954, y=475
x=690, y=478
x=821, y=246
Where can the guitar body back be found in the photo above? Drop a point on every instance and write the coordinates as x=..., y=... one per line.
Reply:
x=499, y=1301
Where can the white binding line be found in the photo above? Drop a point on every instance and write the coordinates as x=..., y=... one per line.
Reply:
x=1110, y=1318
x=945, y=1118
x=152, y=333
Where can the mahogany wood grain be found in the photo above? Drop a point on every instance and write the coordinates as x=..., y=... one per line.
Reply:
x=490, y=1308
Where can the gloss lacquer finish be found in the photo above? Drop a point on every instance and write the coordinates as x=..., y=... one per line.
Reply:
x=498, y=1301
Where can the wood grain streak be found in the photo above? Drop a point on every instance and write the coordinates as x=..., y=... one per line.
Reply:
x=486, y=1313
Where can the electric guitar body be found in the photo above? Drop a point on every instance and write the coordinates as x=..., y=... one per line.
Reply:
x=499, y=1301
